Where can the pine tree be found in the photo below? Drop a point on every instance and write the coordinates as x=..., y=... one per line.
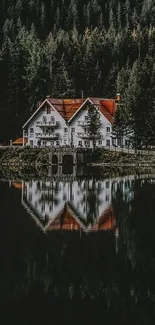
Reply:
x=93, y=122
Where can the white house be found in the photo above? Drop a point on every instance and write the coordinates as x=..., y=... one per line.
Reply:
x=61, y=122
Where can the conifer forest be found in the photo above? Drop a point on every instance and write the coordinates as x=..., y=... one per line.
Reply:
x=65, y=47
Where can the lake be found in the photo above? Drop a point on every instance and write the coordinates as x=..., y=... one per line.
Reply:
x=77, y=245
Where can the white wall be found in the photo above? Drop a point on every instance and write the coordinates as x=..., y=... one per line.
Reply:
x=80, y=129
x=63, y=137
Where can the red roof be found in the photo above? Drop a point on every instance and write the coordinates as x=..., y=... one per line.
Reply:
x=68, y=107
x=20, y=141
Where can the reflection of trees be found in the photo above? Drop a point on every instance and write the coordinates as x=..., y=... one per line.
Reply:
x=93, y=203
x=83, y=269
x=136, y=219
x=91, y=200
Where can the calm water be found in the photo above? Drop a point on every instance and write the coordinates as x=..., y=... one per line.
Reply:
x=77, y=247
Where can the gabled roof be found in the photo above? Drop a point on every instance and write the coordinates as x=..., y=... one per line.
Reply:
x=68, y=108
x=105, y=222
x=66, y=220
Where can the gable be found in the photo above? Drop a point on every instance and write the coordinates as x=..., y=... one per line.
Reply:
x=66, y=220
x=106, y=106
x=66, y=107
x=69, y=108
x=43, y=107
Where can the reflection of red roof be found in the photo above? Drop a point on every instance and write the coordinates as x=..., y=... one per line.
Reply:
x=65, y=221
x=20, y=141
x=18, y=185
x=105, y=222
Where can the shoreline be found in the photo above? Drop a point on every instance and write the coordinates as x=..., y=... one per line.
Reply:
x=24, y=157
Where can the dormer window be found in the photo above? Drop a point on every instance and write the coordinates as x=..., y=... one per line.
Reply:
x=108, y=129
x=48, y=109
x=44, y=119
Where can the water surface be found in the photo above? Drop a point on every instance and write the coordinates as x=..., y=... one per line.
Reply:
x=78, y=246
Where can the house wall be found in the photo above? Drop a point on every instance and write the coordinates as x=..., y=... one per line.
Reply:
x=77, y=139
x=72, y=133
x=60, y=129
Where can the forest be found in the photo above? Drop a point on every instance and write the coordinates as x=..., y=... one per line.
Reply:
x=65, y=47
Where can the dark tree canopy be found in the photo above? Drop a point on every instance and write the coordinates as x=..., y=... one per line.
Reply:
x=66, y=46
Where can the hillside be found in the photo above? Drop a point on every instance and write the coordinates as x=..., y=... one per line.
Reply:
x=65, y=47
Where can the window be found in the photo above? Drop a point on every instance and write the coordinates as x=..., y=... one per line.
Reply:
x=52, y=143
x=44, y=119
x=30, y=196
x=87, y=143
x=57, y=142
x=31, y=130
x=85, y=130
x=119, y=142
x=65, y=130
x=31, y=143
x=80, y=143
x=113, y=141
x=86, y=118
x=43, y=207
x=44, y=143
x=100, y=142
x=108, y=128
x=48, y=109
x=73, y=130
x=52, y=118
x=108, y=143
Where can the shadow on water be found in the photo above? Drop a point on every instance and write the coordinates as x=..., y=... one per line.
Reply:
x=105, y=275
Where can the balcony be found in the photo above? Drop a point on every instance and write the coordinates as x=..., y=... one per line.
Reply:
x=49, y=124
x=47, y=135
x=88, y=136
x=85, y=123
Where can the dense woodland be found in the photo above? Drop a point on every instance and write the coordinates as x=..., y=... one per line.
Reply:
x=64, y=47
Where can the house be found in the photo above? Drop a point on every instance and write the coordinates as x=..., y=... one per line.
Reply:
x=64, y=122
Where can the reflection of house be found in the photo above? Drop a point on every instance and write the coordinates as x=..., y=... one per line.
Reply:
x=75, y=204
x=87, y=197
x=106, y=221
x=66, y=220
x=60, y=122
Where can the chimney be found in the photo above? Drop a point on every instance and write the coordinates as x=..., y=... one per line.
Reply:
x=38, y=104
x=118, y=97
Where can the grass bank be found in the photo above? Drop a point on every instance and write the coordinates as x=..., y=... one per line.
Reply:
x=23, y=157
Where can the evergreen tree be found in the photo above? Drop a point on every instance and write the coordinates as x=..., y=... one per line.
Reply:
x=93, y=122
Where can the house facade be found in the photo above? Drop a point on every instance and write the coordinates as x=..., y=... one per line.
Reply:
x=64, y=122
